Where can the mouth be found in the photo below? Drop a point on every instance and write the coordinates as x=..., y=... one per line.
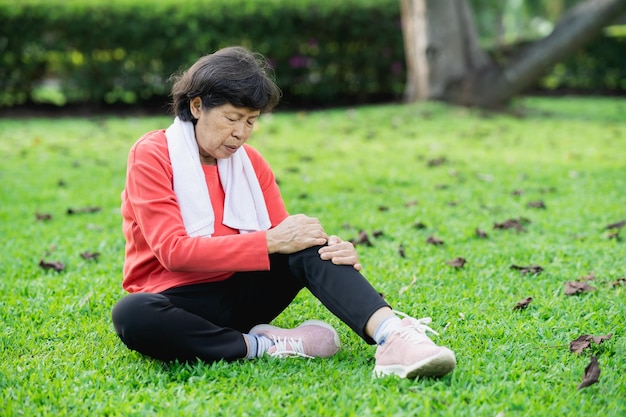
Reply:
x=231, y=149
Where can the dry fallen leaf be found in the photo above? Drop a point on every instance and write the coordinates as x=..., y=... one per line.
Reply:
x=362, y=239
x=517, y=224
x=419, y=225
x=57, y=266
x=615, y=228
x=523, y=303
x=618, y=282
x=599, y=339
x=82, y=210
x=582, y=342
x=616, y=225
x=592, y=373
x=576, y=287
x=481, y=234
x=457, y=262
x=434, y=241
x=531, y=269
x=536, y=204
x=90, y=255
x=435, y=162
x=43, y=217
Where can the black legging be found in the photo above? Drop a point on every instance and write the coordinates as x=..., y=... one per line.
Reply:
x=206, y=321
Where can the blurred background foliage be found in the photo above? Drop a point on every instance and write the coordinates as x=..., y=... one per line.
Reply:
x=324, y=52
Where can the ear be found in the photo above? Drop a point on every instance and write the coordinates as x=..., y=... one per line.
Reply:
x=195, y=106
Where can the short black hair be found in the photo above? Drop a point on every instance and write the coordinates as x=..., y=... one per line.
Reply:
x=232, y=75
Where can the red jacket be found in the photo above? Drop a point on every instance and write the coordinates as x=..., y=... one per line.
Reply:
x=159, y=253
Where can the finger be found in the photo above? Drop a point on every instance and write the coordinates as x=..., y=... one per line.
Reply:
x=338, y=247
x=327, y=252
x=334, y=240
x=344, y=260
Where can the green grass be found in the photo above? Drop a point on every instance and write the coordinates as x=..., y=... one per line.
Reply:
x=356, y=169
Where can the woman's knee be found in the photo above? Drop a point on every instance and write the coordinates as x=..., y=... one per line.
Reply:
x=305, y=256
x=133, y=312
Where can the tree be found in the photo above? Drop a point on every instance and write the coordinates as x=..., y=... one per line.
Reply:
x=445, y=61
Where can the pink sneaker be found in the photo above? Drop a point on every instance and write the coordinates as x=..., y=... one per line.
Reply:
x=311, y=339
x=409, y=353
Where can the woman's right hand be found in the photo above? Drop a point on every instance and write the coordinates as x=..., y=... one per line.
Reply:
x=295, y=233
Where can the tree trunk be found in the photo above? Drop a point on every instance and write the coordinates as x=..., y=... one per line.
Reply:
x=441, y=46
x=444, y=61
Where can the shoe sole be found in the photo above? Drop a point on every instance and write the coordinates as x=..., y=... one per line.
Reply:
x=435, y=366
x=262, y=328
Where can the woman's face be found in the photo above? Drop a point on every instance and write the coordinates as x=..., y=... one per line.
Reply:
x=221, y=130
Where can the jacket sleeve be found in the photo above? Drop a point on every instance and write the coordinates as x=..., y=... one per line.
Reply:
x=153, y=206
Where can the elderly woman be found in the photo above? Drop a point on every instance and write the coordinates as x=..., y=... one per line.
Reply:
x=213, y=256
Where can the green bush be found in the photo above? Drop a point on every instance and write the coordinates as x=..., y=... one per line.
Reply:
x=323, y=51
x=599, y=67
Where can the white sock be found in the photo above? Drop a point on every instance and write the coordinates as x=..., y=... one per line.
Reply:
x=258, y=345
x=385, y=328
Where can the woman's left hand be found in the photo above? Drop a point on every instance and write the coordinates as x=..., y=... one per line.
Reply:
x=340, y=253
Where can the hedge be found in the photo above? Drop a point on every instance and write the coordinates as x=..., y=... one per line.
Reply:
x=324, y=52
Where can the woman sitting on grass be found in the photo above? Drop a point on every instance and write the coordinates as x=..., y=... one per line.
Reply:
x=212, y=255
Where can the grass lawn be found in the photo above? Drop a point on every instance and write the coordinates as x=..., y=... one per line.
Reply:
x=554, y=170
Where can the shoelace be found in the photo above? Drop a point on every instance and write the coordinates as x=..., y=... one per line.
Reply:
x=416, y=332
x=289, y=347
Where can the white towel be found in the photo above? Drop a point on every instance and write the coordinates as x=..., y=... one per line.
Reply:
x=244, y=205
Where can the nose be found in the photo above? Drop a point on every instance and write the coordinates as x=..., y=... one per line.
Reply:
x=240, y=131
